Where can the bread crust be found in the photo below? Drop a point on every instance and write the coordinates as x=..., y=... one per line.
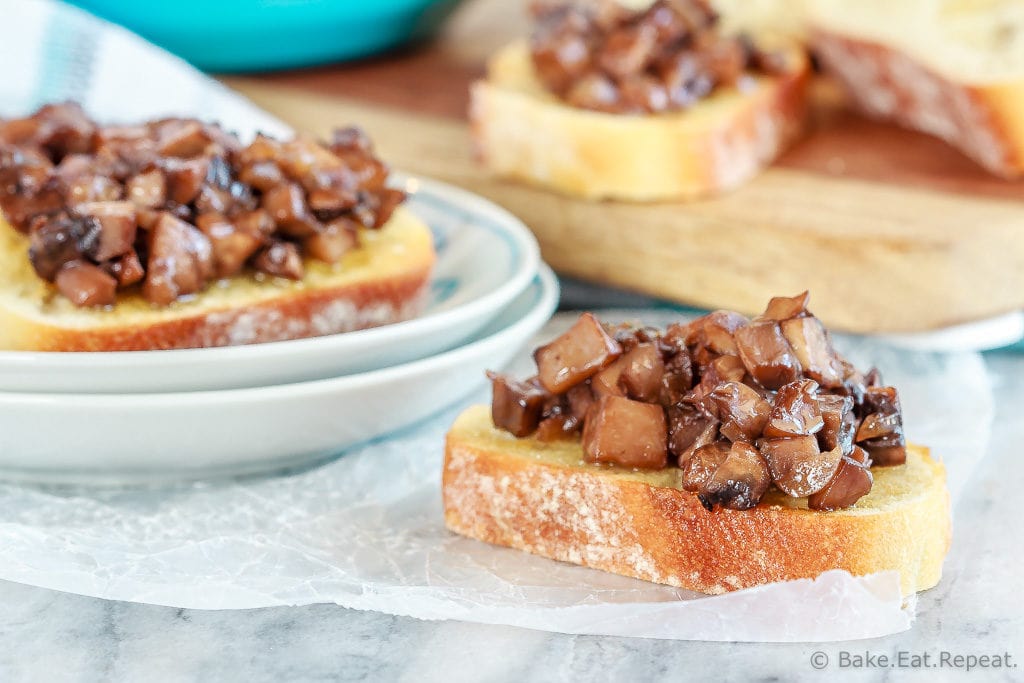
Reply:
x=312, y=313
x=982, y=121
x=520, y=131
x=535, y=497
x=376, y=285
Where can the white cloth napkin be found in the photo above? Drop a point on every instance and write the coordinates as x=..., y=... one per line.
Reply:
x=53, y=52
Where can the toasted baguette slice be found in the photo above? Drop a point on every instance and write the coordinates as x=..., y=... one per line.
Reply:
x=522, y=131
x=380, y=282
x=953, y=70
x=542, y=498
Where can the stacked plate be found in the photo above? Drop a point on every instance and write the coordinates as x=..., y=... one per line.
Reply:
x=162, y=415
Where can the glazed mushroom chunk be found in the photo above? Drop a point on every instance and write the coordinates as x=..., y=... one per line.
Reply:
x=516, y=406
x=786, y=307
x=881, y=431
x=643, y=368
x=713, y=331
x=86, y=284
x=740, y=481
x=839, y=422
x=813, y=348
x=702, y=464
x=575, y=356
x=796, y=411
x=798, y=468
x=767, y=355
x=627, y=433
x=851, y=482
x=117, y=227
x=688, y=430
x=742, y=411
x=180, y=261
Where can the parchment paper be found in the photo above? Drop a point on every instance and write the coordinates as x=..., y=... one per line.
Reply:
x=366, y=531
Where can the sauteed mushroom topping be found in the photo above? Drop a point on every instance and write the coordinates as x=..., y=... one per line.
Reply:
x=175, y=203
x=740, y=405
x=606, y=57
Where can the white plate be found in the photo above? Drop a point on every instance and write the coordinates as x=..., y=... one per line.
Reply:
x=148, y=438
x=485, y=258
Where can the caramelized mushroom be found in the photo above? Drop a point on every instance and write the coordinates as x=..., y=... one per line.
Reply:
x=851, y=482
x=642, y=371
x=127, y=269
x=56, y=240
x=231, y=247
x=625, y=432
x=813, y=348
x=86, y=284
x=579, y=398
x=839, y=422
x=739, y=482
x=796, y=411
x=556, y=427
x=688, y=428
x=280, y=259
x=576, y=355
x=116, y=222
x=180, y=261
x=332, y=243
x=702, y=464
x=515, y=406
x=782, y=308
x=766, y=354
x=287, y=206
x=742, y=411
x=147, y=190
x=798, y=468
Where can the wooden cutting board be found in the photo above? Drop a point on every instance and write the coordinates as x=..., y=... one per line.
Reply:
x=891, y=231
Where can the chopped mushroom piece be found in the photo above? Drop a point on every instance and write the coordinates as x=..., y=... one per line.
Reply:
x=798, y=468
x=86, y=284
x=576, y=355
x=116, y=222
x=516, y=406
x=767, y=355
x=742, y=411
x=180, y=261
x=813, y=348
x=796, y=411
x=280, y=259
x=782, y=308
x=688, y=428
x=739, y=482
x=851, y=482
x=147, y=190
x=643, y=368
x=702, y=464
x=624, y=432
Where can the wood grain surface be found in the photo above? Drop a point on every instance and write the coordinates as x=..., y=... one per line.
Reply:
x=891, y=230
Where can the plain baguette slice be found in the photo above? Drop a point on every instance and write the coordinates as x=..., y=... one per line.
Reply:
x=952, y=70
x=543, y=499
x=522, y=131
x=380, y=282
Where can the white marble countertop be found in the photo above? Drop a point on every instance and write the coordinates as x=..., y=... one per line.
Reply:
x=977, y=609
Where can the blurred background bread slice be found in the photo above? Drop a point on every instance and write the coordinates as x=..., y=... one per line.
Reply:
x=950, y=68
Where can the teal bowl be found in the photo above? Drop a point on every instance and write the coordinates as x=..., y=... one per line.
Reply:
x=260, y=35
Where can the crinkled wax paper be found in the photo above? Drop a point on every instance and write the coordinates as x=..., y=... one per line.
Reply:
x=366, y=531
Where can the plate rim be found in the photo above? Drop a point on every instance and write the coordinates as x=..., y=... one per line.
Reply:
x=542, y=310
x=525, y=270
